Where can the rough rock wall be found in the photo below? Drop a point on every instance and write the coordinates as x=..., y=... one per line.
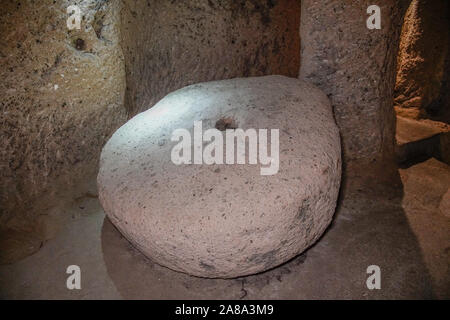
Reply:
x=423, y=51
x=171, y=44
x=356, y=68
x=62, y=95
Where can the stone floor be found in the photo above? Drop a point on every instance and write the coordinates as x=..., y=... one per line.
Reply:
x=394, y=224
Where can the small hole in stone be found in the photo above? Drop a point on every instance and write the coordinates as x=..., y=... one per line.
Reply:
x=80, y=44
x=226, y=123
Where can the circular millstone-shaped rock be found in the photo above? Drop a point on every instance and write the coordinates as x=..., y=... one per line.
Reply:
x=225, y=220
